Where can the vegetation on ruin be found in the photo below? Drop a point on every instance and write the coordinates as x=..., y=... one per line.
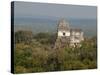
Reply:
x=34, y=53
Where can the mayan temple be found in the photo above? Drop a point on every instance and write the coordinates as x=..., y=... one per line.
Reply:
x=67, y=37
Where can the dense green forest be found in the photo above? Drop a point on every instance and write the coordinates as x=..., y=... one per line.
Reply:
x=34, y=53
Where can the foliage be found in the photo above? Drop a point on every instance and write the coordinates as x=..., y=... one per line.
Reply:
x=38, y=55
x=23, y=36
x=45, y=38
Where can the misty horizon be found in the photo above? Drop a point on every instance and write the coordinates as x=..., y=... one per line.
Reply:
x=44, y=17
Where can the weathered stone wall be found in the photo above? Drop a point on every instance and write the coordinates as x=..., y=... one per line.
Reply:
x=67, y=37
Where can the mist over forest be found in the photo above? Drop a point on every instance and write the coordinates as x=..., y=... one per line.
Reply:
x=36, y=25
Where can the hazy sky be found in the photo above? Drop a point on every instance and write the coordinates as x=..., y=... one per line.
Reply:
x=30, y=9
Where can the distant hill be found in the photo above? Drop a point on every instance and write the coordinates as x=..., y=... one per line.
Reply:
x=36, y=25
